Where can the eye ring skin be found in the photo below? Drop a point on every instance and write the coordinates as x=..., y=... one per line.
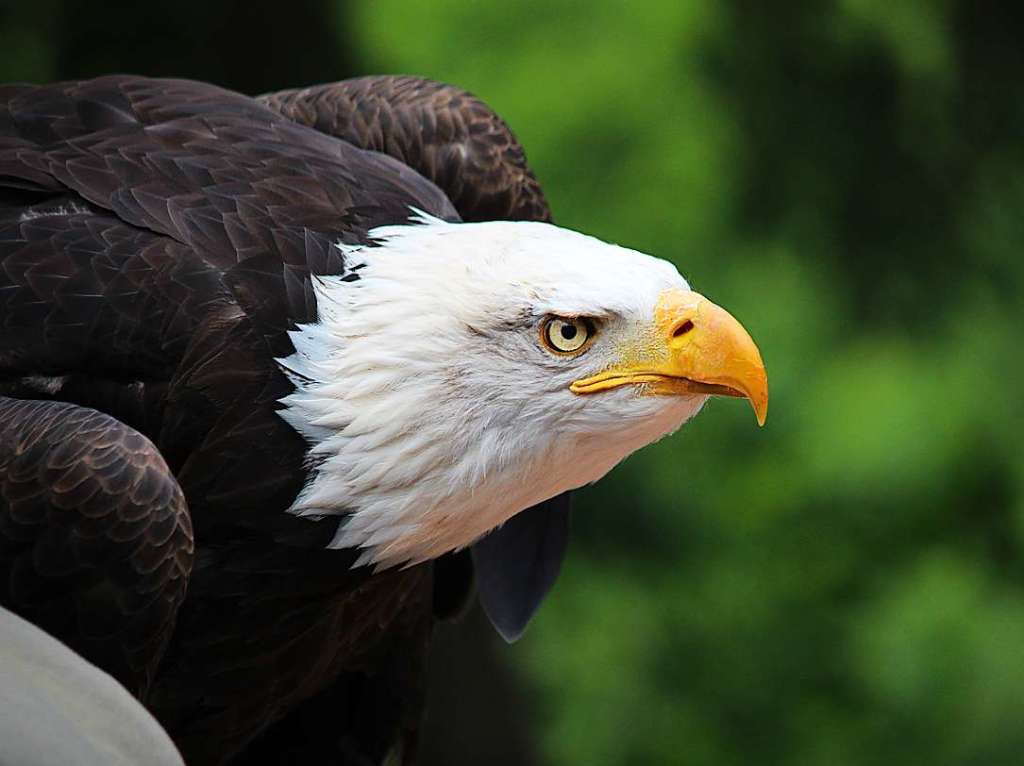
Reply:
x=554, y=338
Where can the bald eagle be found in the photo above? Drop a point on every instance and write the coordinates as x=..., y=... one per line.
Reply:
x=278, y=375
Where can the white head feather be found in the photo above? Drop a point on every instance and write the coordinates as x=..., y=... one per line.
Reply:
x=433, y=410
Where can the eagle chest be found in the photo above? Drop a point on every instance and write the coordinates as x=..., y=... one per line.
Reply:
x=247, y=657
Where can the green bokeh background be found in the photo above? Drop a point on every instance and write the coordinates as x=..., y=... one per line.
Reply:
x=846, y=585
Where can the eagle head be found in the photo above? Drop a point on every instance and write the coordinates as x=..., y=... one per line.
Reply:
x=473, y=370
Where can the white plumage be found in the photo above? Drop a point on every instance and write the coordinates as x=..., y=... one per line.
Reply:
x=434, y=411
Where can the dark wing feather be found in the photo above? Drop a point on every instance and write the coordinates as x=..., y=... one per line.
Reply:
x=95, y=538
x=83, y=292
x=213, y=170
x=446, y=134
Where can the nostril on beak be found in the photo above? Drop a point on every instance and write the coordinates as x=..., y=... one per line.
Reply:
x=682, y=328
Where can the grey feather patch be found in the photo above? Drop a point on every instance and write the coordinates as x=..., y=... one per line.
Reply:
x=518, y=562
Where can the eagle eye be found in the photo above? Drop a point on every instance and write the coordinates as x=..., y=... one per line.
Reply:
x=567, y=335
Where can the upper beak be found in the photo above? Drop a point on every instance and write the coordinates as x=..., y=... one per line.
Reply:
x=700, y=348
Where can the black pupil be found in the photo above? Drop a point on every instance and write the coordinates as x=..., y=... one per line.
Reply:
x=568, y=331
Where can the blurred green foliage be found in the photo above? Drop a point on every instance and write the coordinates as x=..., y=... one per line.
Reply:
x=845, y=586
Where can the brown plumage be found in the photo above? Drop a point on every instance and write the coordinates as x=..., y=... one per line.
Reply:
x=95, y=539
x=448, y=135
x=157, y=242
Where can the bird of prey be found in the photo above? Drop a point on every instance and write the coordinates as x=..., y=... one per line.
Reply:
x=280, y=376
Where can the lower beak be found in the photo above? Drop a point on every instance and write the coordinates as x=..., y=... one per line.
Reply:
x=701, y=349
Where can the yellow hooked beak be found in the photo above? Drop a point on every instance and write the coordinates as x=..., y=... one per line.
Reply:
x=699, y=348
